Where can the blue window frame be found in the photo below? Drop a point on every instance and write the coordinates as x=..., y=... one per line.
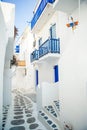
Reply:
x=56, y=73
x=36, y=77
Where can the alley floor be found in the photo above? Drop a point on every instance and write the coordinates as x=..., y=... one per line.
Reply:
x=21, y=115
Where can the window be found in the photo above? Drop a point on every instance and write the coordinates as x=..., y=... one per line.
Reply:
x=53, y=31
x=56, y=75
x=17, y=49
x=40, y=41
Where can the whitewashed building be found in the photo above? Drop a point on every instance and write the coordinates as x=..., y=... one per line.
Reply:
x=24, y=70
x=59, y=59
x=6, y=52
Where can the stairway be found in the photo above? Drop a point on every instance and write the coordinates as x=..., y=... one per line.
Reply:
x=50, y=116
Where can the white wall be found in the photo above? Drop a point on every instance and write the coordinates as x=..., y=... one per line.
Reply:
x=26, y=45
x=45, y=31
x=5, y=32
x=46, y=71
x=45, y=94
x=3, y=41
x=73, y=72
x=45, y=68
x=72, y=67
x=8, y=12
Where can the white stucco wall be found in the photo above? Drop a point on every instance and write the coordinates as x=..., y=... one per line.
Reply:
x=46, y=71
x=45, y=67
x=45, y=31
x=73, y=72
x=8, y=12
x=72, y=67
x=6, y=31
x=26, y=45
x=45, y=95
x=3, y=42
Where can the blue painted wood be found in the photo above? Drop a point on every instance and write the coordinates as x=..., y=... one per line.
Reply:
x=39, y=11
x=17, y=49
x=49, y=46
x=34, y=55
x=56, y=73
x=36, y=77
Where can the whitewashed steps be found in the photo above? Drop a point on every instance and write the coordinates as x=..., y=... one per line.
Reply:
x=47, y=121
x=50, y=110
x=57, y=107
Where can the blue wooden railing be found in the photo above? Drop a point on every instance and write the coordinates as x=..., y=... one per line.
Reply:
x=49, y=46
x=39, y=11
x=34, y=55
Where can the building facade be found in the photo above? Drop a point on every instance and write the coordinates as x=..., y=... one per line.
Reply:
x=24, y=70
x=59, y=58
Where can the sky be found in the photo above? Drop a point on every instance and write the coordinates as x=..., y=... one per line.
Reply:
x=23, y=13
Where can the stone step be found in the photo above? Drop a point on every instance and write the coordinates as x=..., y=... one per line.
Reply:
x=56, y=105
x=50, y=110
x=47, y=121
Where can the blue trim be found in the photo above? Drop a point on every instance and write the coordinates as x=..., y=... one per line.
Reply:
x=39, y=11
x=34, y=55
x=49, y=46
x=56, y=73
x=36, y=77
x=17, y=49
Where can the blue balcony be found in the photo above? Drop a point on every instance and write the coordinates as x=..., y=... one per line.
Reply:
x=49, y=46
x=34, y=55
x=39, y=11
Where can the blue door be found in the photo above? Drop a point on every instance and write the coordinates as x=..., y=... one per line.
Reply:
x=40, y=41
x=53, y=31
x=56, y=74
x=36, y=77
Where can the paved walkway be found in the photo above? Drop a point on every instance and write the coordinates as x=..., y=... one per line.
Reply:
x=22, y=114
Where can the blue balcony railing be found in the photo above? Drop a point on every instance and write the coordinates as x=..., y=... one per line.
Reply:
x=39, y=11
x=34, y=55
x=49, y=46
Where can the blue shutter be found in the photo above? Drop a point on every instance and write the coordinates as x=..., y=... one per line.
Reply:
x=17, y=49
x=56, y=75
x=36, y=77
